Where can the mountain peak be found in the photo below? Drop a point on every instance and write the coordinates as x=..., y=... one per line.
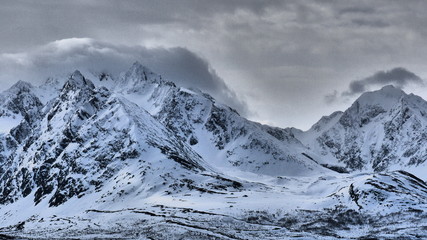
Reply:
x=388, y=91
x=139, y=69
x=137, y=64
x=137, y=76
x=371, y=104
x=77, y=75
x=386, y=97
x=20, y=86
x=77, y=81
x=391, y=90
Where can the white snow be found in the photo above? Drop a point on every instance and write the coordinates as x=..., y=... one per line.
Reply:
x=9, y=122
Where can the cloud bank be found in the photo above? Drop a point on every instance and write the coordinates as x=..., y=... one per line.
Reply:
x=61, y=57
x=399, y=77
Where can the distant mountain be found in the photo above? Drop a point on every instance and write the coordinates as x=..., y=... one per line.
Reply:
x=382, y=130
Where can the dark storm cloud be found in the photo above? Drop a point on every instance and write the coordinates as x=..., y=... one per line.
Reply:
x=399, y=77
x=178, y=64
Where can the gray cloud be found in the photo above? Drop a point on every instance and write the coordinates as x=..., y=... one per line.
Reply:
x=370, y=23
x=332, y=97
x=61, y=57
x=399, y=77
x=357, y=10
x=275, y=54
x=108, y=19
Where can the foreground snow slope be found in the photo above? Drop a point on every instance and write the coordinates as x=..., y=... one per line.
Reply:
x=366, y=206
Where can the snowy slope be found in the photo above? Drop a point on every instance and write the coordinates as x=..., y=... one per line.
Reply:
x=364, y=206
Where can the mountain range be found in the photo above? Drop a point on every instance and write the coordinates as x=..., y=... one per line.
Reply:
x=136, y=156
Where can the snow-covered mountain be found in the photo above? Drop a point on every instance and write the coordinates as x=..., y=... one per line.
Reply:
x=85, y=138
x=215, y=131
x=382, y=130
x=136, y=156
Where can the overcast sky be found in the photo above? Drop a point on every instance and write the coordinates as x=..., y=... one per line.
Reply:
x=285, y=63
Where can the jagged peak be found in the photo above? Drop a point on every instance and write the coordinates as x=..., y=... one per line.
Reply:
x=77, y=81
x=137, y=76
x=137, y=65
x=20, y=86
x=137, y=69
x=78, y=76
